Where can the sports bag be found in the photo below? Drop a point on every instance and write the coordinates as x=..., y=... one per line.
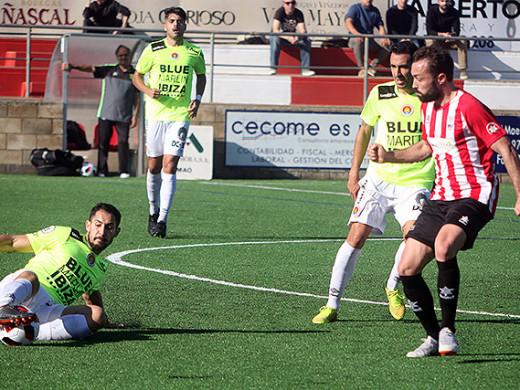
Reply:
x=56, y=162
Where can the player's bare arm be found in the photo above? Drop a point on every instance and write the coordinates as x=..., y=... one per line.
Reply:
x=360, y=149
x=350, y=27
x=15, y=243
x=504, y=147
x=418, y=152
x=96, y=299
x=193, y=108
x=138, y=81
x=67, y=66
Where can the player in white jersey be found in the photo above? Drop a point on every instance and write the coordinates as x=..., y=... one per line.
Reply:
x=461, y=135
x=386, y=188
x=170, y=64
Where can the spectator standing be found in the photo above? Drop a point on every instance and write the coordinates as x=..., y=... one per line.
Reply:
x=289, y=19
x=103, y=13
x=362, y=18
x=443, y=20
x=401, y=19
x=118, y=107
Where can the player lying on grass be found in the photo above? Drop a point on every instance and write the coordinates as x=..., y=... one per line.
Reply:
x=66, y=266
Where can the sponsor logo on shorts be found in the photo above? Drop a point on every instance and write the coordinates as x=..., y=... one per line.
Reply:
x=175, y=56
x=91, y=259
x=182, y=133
x=464, y=220
x=356, y=210
x=407, y=110
x=492, y=127
x=48, y=229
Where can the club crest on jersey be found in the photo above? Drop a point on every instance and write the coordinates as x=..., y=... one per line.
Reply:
x=407, y=110
x=492, y=127
x=174, y=56
x=48, y=229
x=91, y=259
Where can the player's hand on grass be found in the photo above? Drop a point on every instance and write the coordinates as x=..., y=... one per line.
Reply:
x=114, y=325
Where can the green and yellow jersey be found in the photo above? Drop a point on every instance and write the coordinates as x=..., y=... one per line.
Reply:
x=65, y=264
x=398, y=118
x=170, y=70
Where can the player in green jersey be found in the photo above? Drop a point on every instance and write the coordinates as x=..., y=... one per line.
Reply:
x=170, y=64
x=66, y=266
x=396, y=189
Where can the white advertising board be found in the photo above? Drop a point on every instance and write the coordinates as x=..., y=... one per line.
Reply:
x=479, y=18
x=291, y=139
x=197, y=162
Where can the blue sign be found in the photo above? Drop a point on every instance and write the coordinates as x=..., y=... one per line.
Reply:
x=511, y=125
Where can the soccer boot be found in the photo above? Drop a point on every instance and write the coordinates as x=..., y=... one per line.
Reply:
x=159, y=230
x=152, y=221
x=326, y=314
x=447, y=342
x=395, y=303
x=16, y=315
x=430, y=347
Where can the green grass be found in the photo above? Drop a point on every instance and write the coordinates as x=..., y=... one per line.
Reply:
x=190, y=333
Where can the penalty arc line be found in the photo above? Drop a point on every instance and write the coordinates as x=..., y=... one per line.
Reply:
x=116, y=258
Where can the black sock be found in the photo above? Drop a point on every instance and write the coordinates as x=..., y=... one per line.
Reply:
x=448, y=283
x=421, y=301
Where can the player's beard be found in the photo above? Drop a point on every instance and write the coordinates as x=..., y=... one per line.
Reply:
x=433, y=93
x=97, y=244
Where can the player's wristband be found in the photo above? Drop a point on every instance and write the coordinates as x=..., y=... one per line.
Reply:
x=198, y=97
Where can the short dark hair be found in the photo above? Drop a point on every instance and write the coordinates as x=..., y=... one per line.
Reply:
x=439, y=60
x=176, y=11
x=403, y=47
x=121, y=47
x=111, y=209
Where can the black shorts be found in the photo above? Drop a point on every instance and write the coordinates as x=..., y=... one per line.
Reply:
x=469, y=214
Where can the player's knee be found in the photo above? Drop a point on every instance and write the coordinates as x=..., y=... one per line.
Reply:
x=356, y=239
x=33, y=278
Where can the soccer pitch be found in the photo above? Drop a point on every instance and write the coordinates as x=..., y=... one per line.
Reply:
x=225, y=301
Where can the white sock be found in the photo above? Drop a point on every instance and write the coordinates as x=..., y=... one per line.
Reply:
x=342, y=271
x=16, y=292
x=393, y=280
x=168, y=186
x=153, y=188
x=69, y=327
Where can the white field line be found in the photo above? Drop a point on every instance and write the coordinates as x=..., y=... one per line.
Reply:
x=116, y=258
x=298, y=190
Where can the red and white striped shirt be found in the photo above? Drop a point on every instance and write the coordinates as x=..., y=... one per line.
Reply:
x=460, y=134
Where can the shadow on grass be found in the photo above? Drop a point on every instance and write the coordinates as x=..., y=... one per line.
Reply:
x=146, y=334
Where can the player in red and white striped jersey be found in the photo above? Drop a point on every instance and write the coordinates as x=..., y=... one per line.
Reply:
x=461, y=134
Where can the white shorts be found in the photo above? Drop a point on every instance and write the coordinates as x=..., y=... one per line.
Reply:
x=166, y=138
x=377, y=198
x=41, y=304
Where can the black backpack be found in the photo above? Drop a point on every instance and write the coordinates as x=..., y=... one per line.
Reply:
x=56, y=162
x=76, y=138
